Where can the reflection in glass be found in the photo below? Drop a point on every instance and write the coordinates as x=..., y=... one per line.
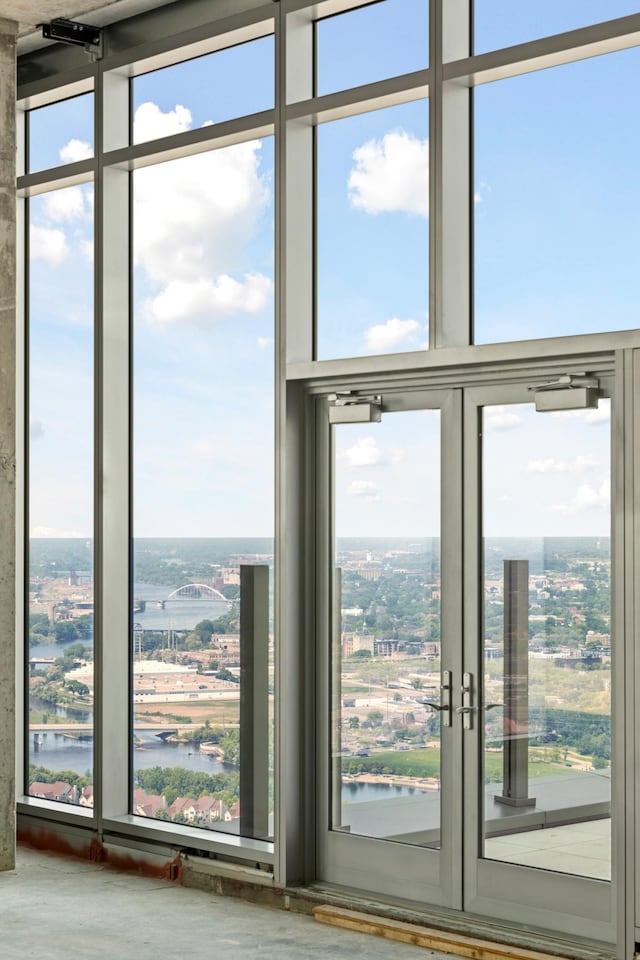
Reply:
x=377, y=41
x=502, y=23
x=385, y=748
x=547, y=638
x=60, y=133
x=373, y=232
x=60, y=497
x=238, y=81
x=202, y=637
x=547, y=190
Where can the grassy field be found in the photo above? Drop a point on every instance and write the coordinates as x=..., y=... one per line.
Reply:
x=425, y=762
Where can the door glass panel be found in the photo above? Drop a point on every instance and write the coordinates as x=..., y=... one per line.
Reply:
x=385, y=748
x=547, y=638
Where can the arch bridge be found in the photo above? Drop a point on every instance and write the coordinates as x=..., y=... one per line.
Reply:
x=197, y=591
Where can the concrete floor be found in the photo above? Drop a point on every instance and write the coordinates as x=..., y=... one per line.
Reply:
x=52, y=908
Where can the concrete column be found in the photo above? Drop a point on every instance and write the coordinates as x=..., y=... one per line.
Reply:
x=8, y=31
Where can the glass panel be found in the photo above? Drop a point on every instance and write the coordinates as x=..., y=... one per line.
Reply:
x=61, y=133
x=60, y=496
x=386, y=647
x=557, y=202
x=238, y=81
x=502, y=23
x=547, y=638
x=373, y=233
x=203, y=486
x=372, y=43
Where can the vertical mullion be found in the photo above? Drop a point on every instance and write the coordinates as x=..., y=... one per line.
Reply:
x=112, y=535
x=22, y=434
x=451, y=157
x=294, y=796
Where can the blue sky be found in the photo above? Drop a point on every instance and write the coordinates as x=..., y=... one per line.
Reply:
x=557, y=203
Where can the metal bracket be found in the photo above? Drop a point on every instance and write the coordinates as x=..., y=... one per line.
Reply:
x=570, y=391
x=74, y=33
x=352, y=408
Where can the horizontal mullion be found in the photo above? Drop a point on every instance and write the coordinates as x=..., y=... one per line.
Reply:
x=592, y=346
x=392, y=383
x=199, y=41
x=561, y=48
x=370, y=96
x=41, y=93
x=56, y=178
x=318, y=9
x=231, y=844
x=57, y=811
x=213, y=137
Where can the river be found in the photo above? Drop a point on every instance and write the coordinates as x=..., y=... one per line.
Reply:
x=59, y=752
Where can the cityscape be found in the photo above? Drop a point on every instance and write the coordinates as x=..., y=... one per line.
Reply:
x=186, y=669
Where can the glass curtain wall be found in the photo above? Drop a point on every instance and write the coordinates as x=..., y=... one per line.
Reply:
x=59, y=656
x=203, y=343
x=553, y=199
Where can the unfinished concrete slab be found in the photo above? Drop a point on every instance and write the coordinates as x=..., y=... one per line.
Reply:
x=51, y=907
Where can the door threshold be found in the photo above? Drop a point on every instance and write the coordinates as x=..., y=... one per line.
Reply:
x=450, y=931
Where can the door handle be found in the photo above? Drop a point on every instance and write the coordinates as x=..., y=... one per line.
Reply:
x=467, y=709
x=444, y=707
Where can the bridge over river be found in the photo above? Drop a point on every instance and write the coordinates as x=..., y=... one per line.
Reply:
x=192, y=591
x=161, y=730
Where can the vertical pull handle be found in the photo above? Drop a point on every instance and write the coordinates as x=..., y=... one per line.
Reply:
x=467, y=709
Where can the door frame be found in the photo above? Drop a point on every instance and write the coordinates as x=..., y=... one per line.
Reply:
x=392, y=869
x=606, y=920
x=522, y=894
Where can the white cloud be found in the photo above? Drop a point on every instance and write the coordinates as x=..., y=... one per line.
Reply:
x=76, y=150
x=47, y=532
x=46, y=243
x=151, y=123
x=204, y=448
x=393, y=333
x=577, y=465
x=265, y=342
x=363, y=488
x=194, y=218
x=391, y=174
x=86, y=248
x=365, y=452
x=477, y=197
x=586, y=498
x=208, y=300
x=501, y=418
x=65, y=204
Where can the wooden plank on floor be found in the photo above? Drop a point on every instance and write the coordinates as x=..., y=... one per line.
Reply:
x=432, y=939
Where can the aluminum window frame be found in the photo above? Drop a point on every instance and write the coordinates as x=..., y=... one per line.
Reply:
x=160, y=38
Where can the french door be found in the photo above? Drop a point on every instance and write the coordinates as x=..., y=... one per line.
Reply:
x=466, y=656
